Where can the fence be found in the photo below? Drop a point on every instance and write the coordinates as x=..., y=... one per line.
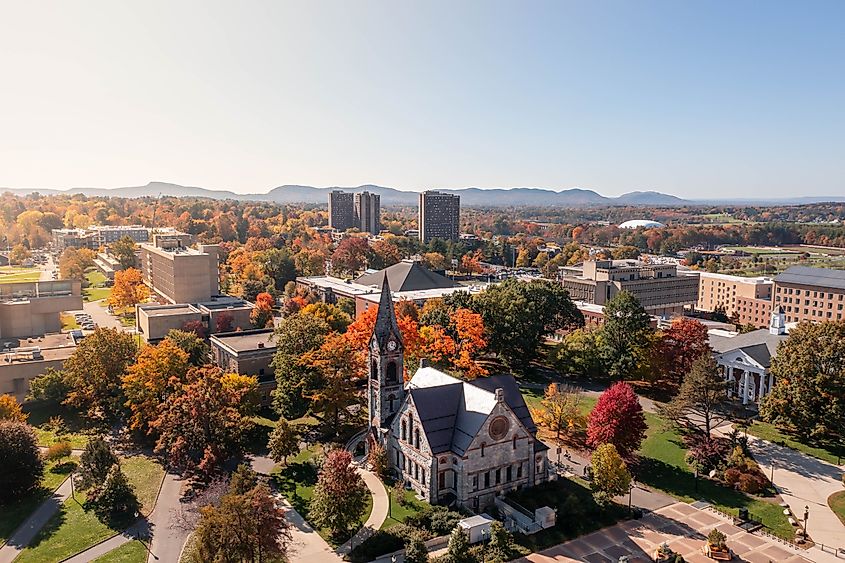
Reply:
x=838, y=552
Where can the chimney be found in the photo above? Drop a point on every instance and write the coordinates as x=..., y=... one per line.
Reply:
x=424, y=363
x=500, y=395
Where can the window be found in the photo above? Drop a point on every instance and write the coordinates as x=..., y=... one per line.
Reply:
x=390, y=377
x=475, y=482
x=519, y=471
x=498, y=476
x=373, y=370
x=390, y=400
x=417, y=438
x=508, y=474
x=514, y=441
x=482, y=448
x=486, y=479
x=441, y=480
x=422, y=476
x=397, y=459
x=404, y=431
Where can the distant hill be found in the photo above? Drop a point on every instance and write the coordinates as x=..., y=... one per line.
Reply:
x=470, y=197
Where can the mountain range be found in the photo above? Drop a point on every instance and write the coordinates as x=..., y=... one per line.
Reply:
x=470, y=197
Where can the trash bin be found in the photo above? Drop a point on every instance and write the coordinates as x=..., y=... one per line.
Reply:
x=743, y=514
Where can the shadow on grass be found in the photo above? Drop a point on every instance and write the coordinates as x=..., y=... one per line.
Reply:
x=292, y=477
x=64, y=468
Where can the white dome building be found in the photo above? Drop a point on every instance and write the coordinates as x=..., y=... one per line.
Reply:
x=637, y=223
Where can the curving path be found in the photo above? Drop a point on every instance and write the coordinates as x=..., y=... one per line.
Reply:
x=381, y=505
x=27, y=531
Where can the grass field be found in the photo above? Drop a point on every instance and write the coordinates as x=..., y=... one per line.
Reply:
x=296, y=482
x=77, y=429
x=762, y=250
x=836, y=501
x=828, y=452
x=68, y=322
x=92, y=292
x=398, y=513
x=74, y=529
x=132, y=552
x=9, y=274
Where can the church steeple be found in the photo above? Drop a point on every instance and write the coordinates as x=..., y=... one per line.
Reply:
x=386, y=386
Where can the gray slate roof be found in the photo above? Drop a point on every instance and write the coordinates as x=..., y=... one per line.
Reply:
x=407, y=276
x=822, y=277
x=761, y=345
x=452, y=411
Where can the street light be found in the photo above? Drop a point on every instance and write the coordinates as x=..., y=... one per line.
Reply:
x=806, y=515
x=631, y=486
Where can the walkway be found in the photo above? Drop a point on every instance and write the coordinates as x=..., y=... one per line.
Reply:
x=140, y=529
x=27, y=531
x=167, y=537
x=306, y=544
x=381, y=505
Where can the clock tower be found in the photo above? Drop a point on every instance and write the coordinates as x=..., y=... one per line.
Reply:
x=386, y=385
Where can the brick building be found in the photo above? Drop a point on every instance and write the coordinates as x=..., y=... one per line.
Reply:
x=810, y=294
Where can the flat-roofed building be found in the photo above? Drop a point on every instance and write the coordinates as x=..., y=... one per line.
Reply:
x=749, y=300
x=658, y=287
x=220, y=314
x=181, y=274
x=34, y=308
x=71, y=238
x=810, y=294
x=439, y=216
x=103, y=235
x=21, y=361
x=341, y=210
x=367, y=212
x=249, y=352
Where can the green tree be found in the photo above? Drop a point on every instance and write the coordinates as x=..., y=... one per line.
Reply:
x=284, y=441
x=518, y=315
x=296, y=336
x=701, y=400
x=95, y=369
x=95, y=462
x=458, y=549
x=49, y=386
x=123, y=251
x=610, y=474
x=115, y=499
x=415, y=550
x=21, y=467
x=340, y=496
x=498, y=549
x=626, y=326
x=579, y=354
x=190, y=343
x=243, y=480
x=809, y=393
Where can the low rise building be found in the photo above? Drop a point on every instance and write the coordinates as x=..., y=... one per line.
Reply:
x=34, y=308
x=747, y=300
x=71, y=238
x=178, y=273
x=658, y=287
x=219, y=314
x=104, y=235
x=21, y=361
x=810, y=294
x=249, y=352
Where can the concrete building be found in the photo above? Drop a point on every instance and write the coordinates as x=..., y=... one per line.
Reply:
x=103, y=235
x=749, y=300
x=249, y=352
x=341, y=210
x=810, y=294
x=745, y=359
x=33, y=308
x=449, y=440
x=367, y=212
x=71, y=238
x=181, y=274
x=219, y=314
x=439, y=216
x=108, y=264
x=658, y=287
x=21, y=361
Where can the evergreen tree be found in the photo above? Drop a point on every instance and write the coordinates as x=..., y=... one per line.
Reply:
x=458, y=550
x=415, y=550
x=115, y=499
x=95, y=462
x=626, y=325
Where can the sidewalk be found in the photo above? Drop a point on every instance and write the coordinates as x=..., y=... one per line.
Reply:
x=306, y=544
x=27, y=531
x=378, y=515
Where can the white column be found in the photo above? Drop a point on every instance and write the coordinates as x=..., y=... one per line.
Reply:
x=729, y=375
x=745, y=383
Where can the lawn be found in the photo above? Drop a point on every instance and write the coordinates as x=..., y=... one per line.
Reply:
x=296, y=482
x=76, y=428
x=826, y=452
x=73, y=529
x=13, y=514
x=534, y=396
x=68, y=322
x=131, y=552
x=837, y=504
x=663, y=467
x=92, y=292
x=398, y=513
x=10, y=274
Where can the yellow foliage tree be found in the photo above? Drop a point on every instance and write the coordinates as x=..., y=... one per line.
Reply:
x=157, y=373
x=11, y=410
x=560, y=412
x=128, y=289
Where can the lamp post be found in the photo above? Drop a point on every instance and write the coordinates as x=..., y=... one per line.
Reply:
x=631, y=486
x=806, y=515
x=772, y=478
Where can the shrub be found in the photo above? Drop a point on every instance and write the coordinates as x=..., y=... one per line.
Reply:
x=21, y=467
x=385, y=541
x=58, y=451
x=716, y=538
x=752, y=482
x=732, y=476
x=438, y=520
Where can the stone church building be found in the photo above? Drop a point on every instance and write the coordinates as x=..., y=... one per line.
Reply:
x=452, y=441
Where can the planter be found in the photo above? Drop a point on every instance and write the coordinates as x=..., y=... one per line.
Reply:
x=718, y=552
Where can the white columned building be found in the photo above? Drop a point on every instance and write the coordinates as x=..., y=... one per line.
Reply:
x=745, y=358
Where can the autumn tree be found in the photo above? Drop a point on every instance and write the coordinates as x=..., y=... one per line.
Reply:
x=617, y=419
x=610, y=474
x=204, y=423
x=296, y=336
x=21, y=467
x=560, y=411
x=49, y=386
x=197, y=328
x=377, y=458
x=19, y=254
x=338, y=365
x=128, y=289
x=699, y=404
x=73, y=263
x=158, y=372
x=262, y=313
x=809, y=393
x=471, y=342
x=123, y=250
x=10, y=409
x=223, y=322
x=681, y=344
x=579, y=354
x=340, y=496
x=331, y=314
x=95, y=370
x=351, y=255
x=195, y=347
x=284, y=441
x=626, y=325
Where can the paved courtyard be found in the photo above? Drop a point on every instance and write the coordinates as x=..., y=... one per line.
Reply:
x=682, y=526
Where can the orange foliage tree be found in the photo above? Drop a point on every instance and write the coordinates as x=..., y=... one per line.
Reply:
x=262, y=313
x=469, y=327
x=128, y=289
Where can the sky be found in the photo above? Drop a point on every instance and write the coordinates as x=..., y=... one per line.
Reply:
x=741, y=98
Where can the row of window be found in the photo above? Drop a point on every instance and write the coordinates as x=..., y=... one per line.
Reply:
x=410, y=467
x=807, y=292
x=495, y=476
x=410, y=434
x=807, y=302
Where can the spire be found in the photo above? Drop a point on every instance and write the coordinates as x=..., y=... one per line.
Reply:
x=777, y=323
x=386, y=324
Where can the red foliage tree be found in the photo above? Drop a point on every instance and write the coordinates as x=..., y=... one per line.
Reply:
x=682, y=343
x=617, y=419
x=351, y=255
x=262, y=314
x=224, y=322
x=196, y=327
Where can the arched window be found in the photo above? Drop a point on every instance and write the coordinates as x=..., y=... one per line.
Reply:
x=373, y=369
x=390, y=400
x=410, y=428
x=391, y=372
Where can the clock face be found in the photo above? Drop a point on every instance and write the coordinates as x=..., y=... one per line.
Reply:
x=391, y=345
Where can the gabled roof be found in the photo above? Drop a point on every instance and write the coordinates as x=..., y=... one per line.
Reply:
x=407, y=275
x=822, y=277
x=453, y=411
x=761, y=345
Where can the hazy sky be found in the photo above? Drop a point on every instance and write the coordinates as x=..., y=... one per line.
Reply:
x=699, y=99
